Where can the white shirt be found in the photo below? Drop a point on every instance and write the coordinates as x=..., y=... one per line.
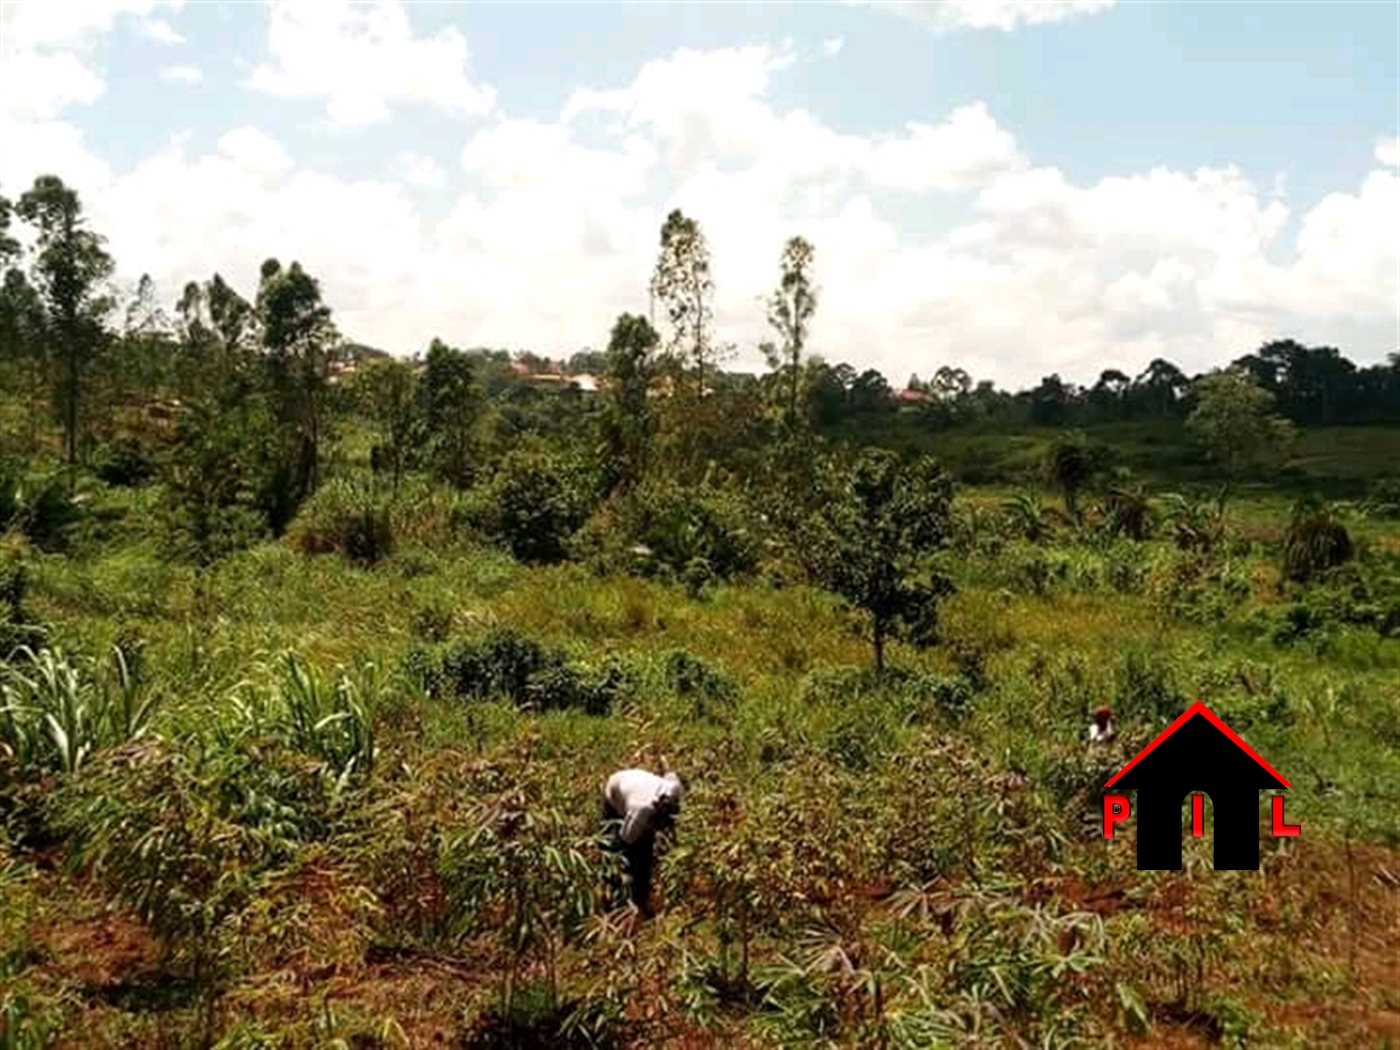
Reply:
x=636, y=793
x=1102, y=736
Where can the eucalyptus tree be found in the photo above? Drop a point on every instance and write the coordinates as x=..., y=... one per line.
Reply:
x=69, y=270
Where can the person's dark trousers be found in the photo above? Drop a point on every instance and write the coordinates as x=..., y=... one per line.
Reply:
x=636, y=861
x=639, y=859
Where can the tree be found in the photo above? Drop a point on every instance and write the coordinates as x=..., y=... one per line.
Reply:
x=1159, y=390
x=69, y=268
x=1069, y=466
x=951, y=385
x=870, y=539
x=1050, y=402
x=297, y=335
x=627, y=422
x=211, y=490
x=387, y=390
x=790, y=310
x=1233, y=420
x=21, y=325
x=683, y=283
x=145, y=355
x=450, y=408
x=1109, y=394
x=870, y=393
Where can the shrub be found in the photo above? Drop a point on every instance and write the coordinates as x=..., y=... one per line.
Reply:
x=668, y=530
x=1316, y=541
x=1297, y=622
x=187, y=841
x=16, y=628
x=539, y=503
x=1384, y=499
x=1197, y=525
x=688, y=675
x=42, y=509
x=1070, y=464
x=507, y=663
x=1025, y=516
x=1128, y=512
x=346, y=519
x=126, y=461
x=1147, y=688
x=587, y=689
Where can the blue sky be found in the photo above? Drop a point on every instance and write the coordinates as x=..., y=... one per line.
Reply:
x=1016, y=188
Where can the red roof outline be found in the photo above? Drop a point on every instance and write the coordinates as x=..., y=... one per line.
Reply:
x=1200, y=708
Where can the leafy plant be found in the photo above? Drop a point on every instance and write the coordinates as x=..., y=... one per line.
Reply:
x=1025, y=515
x=344, y=518
x=871, y=541
x=56, y=711
x=519, y=873
x=1316, y=541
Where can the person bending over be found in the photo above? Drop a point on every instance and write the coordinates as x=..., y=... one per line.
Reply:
x=637, y=806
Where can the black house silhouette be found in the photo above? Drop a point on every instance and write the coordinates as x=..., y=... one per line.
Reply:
x=1197, y=752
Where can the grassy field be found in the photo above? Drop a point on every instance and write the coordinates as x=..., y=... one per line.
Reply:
x=914, y=860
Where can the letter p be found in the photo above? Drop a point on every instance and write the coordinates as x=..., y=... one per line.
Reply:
x=1115, y=811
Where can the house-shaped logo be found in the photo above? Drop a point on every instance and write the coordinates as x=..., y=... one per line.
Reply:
x=1198, y=753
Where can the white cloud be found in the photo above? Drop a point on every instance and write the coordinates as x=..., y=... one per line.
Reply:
x=182, y=74
x=161, y=31
x=832, y=46
x=43, y=23
x=1040, y=274
x=255, y=152
x=1388, y=152
x=419, y=170
x=1005, y=15
x=46, y=61
x=363, y=60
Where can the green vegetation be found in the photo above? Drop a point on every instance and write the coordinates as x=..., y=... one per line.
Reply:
x=314, y=664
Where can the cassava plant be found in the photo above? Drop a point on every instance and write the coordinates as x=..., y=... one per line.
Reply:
x=521, y=872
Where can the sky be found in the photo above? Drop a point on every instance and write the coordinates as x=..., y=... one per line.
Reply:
x=1012, y=187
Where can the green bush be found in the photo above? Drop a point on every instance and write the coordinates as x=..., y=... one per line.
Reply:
x=17, y=628
x=346, y=519
x=540, y=502
x=664, y=529
x=1316, y=541
x=510, y=664
x=688, y=675
x=125, y=462
x=1384, y=499
x=42, y=509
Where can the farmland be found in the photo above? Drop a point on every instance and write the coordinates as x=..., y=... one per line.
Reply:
x=316, y=659
x=864, y=860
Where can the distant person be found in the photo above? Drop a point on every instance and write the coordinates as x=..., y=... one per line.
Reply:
x=637, y=806
x=1102, y=730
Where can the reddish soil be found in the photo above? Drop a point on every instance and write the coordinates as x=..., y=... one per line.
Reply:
x=430, y=995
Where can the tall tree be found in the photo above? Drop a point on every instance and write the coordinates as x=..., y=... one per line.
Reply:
x=146, y=342
x=21, y=324
x=1159, y=390
x=69, y=269
x=790, y=310
x=297, y=337
x=387, y=390
x=450, y=408
x=627, y=423
x=683, y=283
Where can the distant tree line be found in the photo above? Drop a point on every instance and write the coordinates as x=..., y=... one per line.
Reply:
x=240, y=407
